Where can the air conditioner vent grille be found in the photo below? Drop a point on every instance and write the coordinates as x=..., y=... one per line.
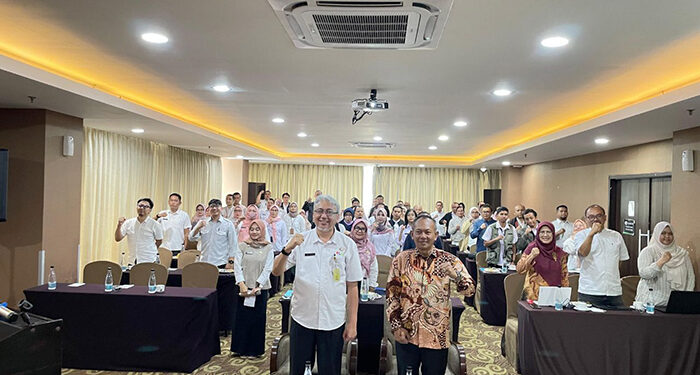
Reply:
x=373, y=144
x=360, y=4
x=361, y=29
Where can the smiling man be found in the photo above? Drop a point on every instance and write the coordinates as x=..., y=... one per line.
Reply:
x=325, y=290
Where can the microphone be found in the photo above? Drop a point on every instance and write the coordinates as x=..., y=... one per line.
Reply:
x=7, y=314
x=25, y=306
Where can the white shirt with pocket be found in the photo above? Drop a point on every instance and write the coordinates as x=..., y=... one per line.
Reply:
x=174, y=226
x=568, y=229
x=218, y=240
x=141, y=238
x=600, y=272
x=322, y=270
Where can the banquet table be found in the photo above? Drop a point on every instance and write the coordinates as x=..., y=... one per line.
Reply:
x=226, y=291
x=131, y=330
x=493, y=297
x=613, y=342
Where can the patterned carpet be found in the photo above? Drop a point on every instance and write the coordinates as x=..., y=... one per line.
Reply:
x=481, y=342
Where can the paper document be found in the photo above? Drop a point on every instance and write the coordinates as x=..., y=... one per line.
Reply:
x=75, y=285
x=249, y=301
x=549, y=295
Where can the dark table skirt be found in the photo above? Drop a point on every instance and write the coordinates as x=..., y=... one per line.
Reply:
x=131, y=330
x=613, y=342
x=470, y=264
x=493, y=297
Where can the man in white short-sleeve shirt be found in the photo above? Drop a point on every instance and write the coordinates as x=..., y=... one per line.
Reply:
x=144, y=235
x=325, y=290
x=601, y=251
x=562, y=227
x=176, y=224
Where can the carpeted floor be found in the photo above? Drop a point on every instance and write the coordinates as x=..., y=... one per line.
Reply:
x=481, y=342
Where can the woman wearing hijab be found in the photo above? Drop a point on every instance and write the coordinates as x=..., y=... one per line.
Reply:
x=198, y=214
x=251, y=213
x=663, y=267
x=455, y=225
x=256, y=258
x=466, y=244
x=382, y=236
x=574, y=263
x=543, y=262
x=348, y=219
x=277, y=229
x=296, y=222
x=366, y=250
x=237, y=218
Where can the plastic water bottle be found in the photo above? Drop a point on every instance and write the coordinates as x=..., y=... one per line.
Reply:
x=504, y=268
x=152, y=282
x=109, y=281
x=307, y=368
x=122, y=262
x=364, y=290
x=196, y=258
x=409, y=370
x=649, y=306
x=52, y=278
x=157, y=259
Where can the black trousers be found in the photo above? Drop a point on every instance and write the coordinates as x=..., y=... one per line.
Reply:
x=605, y=302
x=431, y=361
x=305, y=342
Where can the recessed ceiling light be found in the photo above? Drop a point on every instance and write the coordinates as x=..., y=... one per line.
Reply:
x=460, y=124
x=432, y=148
x=601, y=141
x=377, y=138
x=137, y=130
x=554, y=42
x=421, y=165
x=154, y=38
x=301, y=135
x=443, y=138
x=502, y=92
x=278, y=120
x=331, y=163
x=483, y=169
x=505, y=163
x=239, y=156
x=315, y=144
x=221, y=88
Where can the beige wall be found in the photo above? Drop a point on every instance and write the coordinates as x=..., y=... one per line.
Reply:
x=43, y=198
x=582, y=180
x=234, y=177
x=685, y=194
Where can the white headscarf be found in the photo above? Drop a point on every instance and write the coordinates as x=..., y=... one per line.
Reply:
x=675, y=272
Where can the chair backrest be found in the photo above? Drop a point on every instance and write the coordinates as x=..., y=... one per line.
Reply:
x=472, y=249
x=629, y=289
x=190, y=245
x=165, y=256
x=513, y=285
x=187, y=257
x=573, y=284
x=517, y=257
x=384, y=264
x=141, y=272
x=95, y=272
x=481, y=259
x=200, y=275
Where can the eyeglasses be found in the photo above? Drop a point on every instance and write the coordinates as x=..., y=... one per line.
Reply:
x=327, y=212
x=143, y=206
x=593, y=217
x=359, y=229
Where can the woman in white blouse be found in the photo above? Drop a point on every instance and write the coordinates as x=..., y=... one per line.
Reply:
x=295, y=222
x=663, y=267
x=454, y=226
x=277, y=229
x=474, y=215
x=383, y=234
x=406, y=229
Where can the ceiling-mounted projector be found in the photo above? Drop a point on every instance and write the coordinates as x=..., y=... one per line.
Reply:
x=361, y=107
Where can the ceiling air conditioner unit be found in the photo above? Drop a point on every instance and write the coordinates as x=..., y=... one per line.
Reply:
x=363, y=24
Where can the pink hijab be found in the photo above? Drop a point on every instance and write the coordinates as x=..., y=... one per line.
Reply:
x=364, y=247
x=251, y=213
x=273, y=224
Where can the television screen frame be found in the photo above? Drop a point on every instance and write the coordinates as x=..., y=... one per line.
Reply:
x=4, y=181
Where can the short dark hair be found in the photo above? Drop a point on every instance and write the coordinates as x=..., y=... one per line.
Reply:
x=287, y=194
x=395, y=207
x=440, y=203
x=354, y=199
x=562, y=206
x=229, y=195
x=236, y=193
x=486, y=205
x=585, y=213
x=530, y=211
x=179, y=197
x=380, y=196
x=147, y=200
x=501, y=209
x=214, y=201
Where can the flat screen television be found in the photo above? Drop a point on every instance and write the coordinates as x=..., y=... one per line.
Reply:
x=4, y=167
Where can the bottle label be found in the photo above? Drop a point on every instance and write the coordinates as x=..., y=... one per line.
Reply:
x=108, y=287
x=52, y=286
x=151, y=289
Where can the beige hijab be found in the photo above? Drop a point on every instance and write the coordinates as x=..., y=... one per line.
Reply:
x=676, y=273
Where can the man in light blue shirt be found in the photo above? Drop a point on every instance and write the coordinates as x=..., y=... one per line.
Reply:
x=480, y=226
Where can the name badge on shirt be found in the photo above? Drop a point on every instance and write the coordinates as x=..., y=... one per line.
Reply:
x=309, y=254
x=248, y=253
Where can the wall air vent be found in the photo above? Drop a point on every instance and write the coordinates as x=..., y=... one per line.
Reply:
x=363, y=24
x=372, y=145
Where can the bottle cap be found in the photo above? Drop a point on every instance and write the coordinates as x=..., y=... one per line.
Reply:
x=109, y=268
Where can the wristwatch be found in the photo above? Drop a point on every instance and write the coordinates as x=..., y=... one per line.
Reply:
x=230, y=261
x=285, y=252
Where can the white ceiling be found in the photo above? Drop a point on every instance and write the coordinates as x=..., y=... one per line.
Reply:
x=486, y=44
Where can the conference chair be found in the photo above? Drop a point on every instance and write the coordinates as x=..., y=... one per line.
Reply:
x=480, y=263
x=190, y=245
x=279, y=356
x=517, y=257
x=165, y=256
x=472, y=249
x=513, y=285
x=141, y=272
x=456, y=355
x=384, y=264
x=187, y=257
x=200, y=275
x=629, y=289
x=95, y=272
x=481, y=260
x=573, y=284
